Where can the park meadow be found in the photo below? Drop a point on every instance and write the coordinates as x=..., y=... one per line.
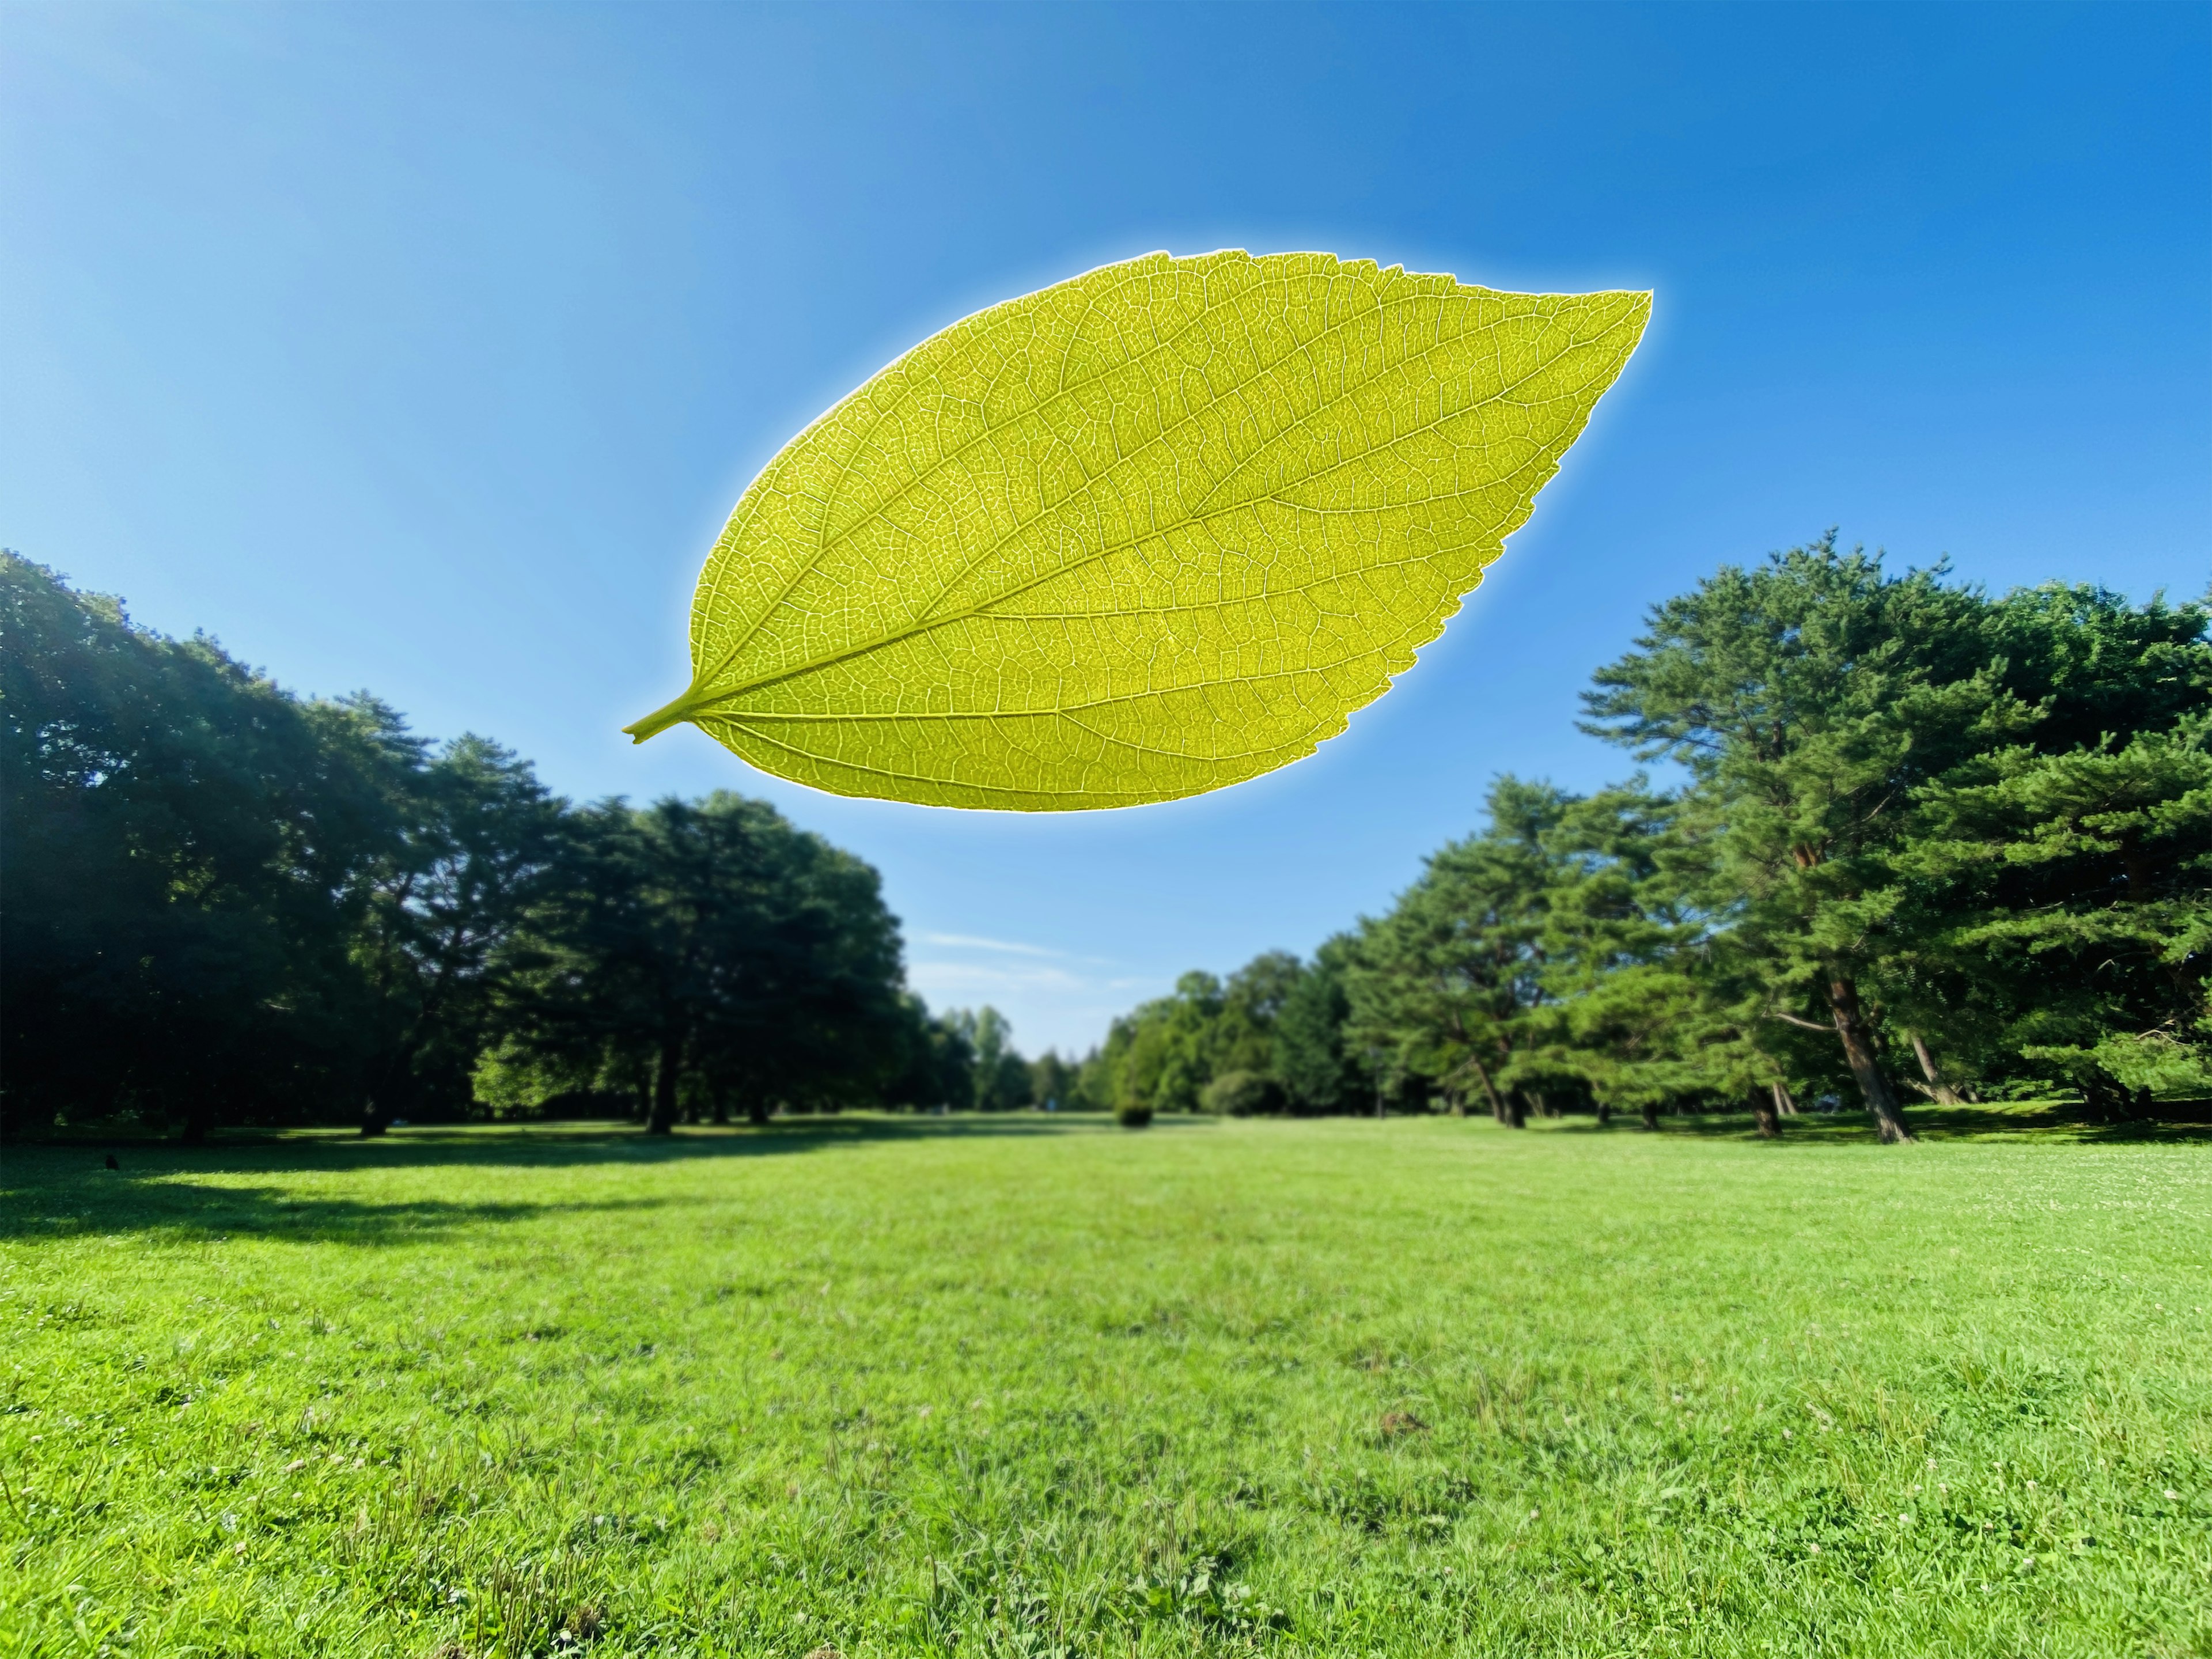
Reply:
x=1025, y=1384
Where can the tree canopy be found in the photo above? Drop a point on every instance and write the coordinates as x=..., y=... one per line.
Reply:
x=1920, y=841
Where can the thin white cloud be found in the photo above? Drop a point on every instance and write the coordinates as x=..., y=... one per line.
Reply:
x=1055, y=998
x=969, y=941
x=944, y=976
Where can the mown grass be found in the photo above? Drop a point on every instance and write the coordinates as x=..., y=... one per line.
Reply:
x=1026, y=1387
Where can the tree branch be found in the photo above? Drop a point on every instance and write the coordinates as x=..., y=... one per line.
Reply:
x=1808, y=1025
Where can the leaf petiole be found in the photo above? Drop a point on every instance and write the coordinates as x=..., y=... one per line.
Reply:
x=661, y=719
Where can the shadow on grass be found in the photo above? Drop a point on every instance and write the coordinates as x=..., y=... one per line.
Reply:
x=61, y=1187
x=2176, y=1122
x=63, y=1201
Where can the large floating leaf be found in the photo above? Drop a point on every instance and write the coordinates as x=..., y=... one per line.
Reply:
x=1145, y=533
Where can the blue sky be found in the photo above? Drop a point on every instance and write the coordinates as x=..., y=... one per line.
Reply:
x=424, y=349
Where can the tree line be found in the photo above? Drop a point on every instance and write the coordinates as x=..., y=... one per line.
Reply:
x=1915, y=843
x=225, y=904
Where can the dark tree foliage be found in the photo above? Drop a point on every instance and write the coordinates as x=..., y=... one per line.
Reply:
x=447, y=908
x=1442, y=987
x=2061, y=915
x=1808, y=698
x=709, y=945
x=190, y=854
x=2096, y=669
x=937, y=1062
x=224, y=904
x=1306, y=1045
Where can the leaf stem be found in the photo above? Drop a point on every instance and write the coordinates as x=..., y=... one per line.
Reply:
x=661, y=719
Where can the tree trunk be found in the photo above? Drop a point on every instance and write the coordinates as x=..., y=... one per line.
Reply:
x=1516, y=1115
x=1604, y=1114
x=1785, y=1103
x=1938, y=1091
x=1497, y=1106
x=2111, y=1101
x=1651, y=1115
x=1859, y=1055
x=756, y=1109
x=663, y=1119
x=1765, y=1111
x=386, y=1082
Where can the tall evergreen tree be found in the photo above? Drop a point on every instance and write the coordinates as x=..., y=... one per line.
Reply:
x=1634, y=1008
x=1440, y=989
x=1808, y=698
x=2067, y=899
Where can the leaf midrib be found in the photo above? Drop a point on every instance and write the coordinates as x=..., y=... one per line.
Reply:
x=828, y=541
x=927, y=623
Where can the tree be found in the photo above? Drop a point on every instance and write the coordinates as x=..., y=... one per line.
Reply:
x=188, y=849
x=1808, y=698
x=1000, y=1078
x=712, y=942
x=1054, y=1082
x=937, y=1071
x=1306, y=1046
x=1629, y=1004
x=1442, y=987
x=1275, y=1026
x=2073, y=892
x=1159, y=1054
x=447, y=906
x=1242, y=1037
x=2095, y=668
x=1243, y=1094
x=2098, y=676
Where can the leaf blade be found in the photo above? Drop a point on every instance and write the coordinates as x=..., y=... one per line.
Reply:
x=1144, y=534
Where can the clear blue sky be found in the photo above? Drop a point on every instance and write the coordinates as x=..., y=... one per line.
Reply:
x=424, y=349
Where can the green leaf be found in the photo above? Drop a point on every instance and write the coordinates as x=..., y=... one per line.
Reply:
x=1138, y=535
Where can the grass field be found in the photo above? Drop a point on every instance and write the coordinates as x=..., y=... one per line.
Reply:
x=1028, y=1387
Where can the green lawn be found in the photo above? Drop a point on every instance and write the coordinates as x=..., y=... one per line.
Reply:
x=1028, y=1387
